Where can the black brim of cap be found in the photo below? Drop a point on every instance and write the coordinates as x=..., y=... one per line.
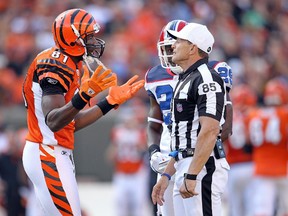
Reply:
x=171, y=35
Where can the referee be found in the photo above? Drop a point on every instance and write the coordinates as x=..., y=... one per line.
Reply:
x=199, y=164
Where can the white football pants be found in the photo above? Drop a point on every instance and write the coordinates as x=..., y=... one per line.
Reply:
x=211, y=182
x=52, y=172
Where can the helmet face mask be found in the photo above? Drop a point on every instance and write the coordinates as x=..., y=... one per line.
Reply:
x=94, y=46
x=165, y=53
x=164, y=45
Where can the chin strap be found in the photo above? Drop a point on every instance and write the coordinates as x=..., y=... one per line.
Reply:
x=90, y=60
x=100, y=63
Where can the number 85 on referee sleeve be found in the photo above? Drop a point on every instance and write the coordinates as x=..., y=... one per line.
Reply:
x=213, y=87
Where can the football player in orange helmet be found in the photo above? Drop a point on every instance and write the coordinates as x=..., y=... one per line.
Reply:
x=75, y=33
x=75, y=30
x=268, y=134
x=54, y=100
x=275, y=92
x=243, y=96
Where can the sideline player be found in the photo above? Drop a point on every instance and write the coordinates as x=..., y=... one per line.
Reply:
x=54, y=101
x=126, y=152
x=268, y=127
x=160, y=83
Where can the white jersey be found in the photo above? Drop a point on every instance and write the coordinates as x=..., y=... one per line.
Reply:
x=160, y=84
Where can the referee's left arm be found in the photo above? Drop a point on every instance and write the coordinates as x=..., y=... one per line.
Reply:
x=210, y=103
x=205, y=143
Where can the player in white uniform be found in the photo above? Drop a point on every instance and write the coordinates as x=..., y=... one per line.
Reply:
x=160, y=83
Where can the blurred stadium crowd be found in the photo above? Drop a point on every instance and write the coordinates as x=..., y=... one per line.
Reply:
x=251, y=36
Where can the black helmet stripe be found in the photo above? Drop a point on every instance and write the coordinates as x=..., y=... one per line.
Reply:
x=88, y=23
x=61, y=31
x=73, y=16
x=73, y=19
x=81, y=23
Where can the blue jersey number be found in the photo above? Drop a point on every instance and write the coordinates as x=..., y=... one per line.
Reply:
x=164, y=95
x=226, y=75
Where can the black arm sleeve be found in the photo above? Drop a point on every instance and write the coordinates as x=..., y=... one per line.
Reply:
x=49, y=88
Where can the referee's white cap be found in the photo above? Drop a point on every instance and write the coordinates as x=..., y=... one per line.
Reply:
x=197, y=34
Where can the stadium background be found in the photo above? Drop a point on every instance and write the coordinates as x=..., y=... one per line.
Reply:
x=250, y=35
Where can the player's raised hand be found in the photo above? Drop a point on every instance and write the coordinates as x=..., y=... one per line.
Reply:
x=91, y=86
x=120, y=94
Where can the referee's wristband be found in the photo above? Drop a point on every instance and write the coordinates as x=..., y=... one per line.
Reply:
x=190, y=176
x=167, y=175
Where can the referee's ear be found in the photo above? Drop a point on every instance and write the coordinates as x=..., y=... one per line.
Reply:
x=192, y=46
x=192, y=50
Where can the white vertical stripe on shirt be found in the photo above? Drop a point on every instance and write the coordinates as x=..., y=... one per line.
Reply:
x=211, y=95
x=48, y=135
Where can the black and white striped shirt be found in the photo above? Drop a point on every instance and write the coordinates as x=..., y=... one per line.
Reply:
x=200, y=92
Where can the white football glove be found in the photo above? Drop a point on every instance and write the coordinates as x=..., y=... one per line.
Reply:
x=158, y=162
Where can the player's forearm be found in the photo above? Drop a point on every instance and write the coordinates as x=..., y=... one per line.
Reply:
x=58, y=118
x=154, y=131
x=228, y=125
x=87, y=117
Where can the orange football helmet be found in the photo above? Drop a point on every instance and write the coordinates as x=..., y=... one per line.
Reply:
x=276, y=92
x=243, y=96
x=74, y=32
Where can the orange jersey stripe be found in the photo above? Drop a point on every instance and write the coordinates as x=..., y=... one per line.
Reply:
x=53, y=64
